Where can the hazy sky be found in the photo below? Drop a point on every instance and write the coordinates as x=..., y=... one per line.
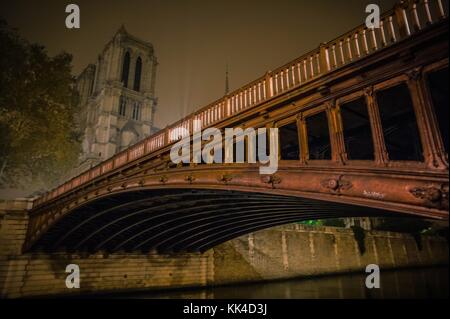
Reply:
x=193, y=39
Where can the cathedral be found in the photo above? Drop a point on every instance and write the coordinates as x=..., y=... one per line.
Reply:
x=117, y=98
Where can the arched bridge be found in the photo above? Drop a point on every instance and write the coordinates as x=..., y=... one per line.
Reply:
x=363, y=131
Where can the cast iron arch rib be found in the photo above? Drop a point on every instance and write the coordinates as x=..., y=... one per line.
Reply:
x=180, y=220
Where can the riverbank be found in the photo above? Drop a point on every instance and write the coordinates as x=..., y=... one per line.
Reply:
x=278, y=253
x=416, y=283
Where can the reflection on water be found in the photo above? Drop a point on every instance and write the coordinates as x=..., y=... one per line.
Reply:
x=411, y=283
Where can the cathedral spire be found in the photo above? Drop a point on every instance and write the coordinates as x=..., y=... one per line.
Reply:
x=227, y=88
x=122, y=29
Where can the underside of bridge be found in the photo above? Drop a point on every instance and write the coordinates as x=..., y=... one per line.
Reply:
x=181, y=220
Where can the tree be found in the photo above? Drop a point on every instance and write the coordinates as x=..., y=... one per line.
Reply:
x=38, y=103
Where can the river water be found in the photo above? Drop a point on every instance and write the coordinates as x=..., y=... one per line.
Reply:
x=406, y=283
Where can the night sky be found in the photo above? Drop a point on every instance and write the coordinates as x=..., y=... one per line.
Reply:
x=193, y=39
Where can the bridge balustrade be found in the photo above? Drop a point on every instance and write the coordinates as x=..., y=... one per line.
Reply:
x=404, y=20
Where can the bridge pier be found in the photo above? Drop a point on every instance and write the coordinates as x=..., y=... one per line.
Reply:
x=13, y=230
x=283, y=252
x=36, y=274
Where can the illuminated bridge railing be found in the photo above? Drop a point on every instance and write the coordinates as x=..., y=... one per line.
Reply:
x=404, y=20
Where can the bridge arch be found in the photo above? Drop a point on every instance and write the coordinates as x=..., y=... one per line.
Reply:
x=179, y=220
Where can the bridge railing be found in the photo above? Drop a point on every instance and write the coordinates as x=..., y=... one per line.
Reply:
x=404, y=20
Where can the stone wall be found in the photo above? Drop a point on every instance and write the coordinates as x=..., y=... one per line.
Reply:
x=277, y=253
x=298, y=250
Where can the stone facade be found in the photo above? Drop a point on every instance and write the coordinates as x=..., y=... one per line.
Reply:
x=117, y=98
x=283, y=252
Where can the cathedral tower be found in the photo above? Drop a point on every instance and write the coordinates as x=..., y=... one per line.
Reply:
x=117, y=98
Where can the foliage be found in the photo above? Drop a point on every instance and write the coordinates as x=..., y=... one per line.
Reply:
x=333, y=222
x=38, y=138
x=312, y=222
